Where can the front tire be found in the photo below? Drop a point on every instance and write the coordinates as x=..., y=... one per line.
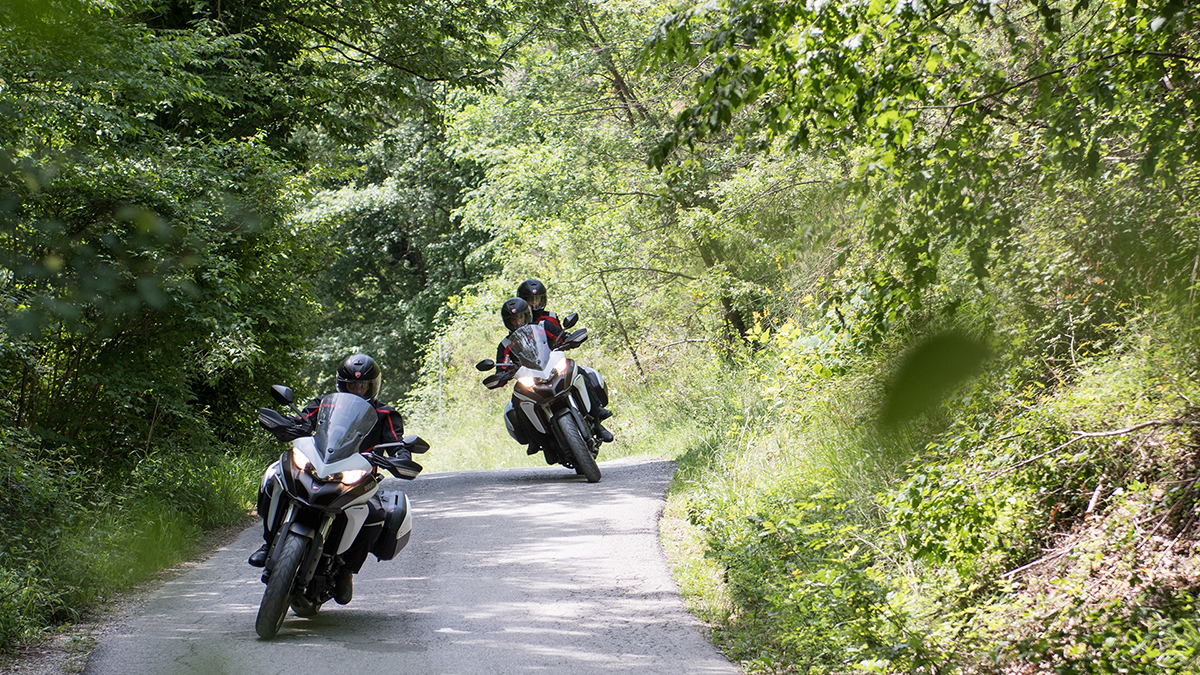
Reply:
x=581, y=457
x=275, y=599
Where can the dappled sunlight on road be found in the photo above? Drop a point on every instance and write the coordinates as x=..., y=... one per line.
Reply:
x=511, y=571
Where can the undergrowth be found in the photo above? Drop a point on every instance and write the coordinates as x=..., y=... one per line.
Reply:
x=75, y=533
x=1020, y=528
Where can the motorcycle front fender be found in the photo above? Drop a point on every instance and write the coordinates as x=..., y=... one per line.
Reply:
x=306, y=531
x=573, y=412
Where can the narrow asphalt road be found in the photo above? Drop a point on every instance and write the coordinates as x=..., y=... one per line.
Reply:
x=508, y=571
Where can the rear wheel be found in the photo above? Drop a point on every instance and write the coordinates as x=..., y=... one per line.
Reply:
x=274, y=604
x=581, y=457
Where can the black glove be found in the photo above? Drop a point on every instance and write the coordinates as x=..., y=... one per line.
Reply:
x=283, y=428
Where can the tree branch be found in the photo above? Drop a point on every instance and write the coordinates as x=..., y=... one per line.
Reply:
x=1080, y=435
x=635, y=193
x=646, y=269
x=376, y=57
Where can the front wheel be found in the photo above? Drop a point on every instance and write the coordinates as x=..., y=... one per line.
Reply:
x=274, y=604
x=581, y=457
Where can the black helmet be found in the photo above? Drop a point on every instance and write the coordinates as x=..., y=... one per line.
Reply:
x=359, y=375
x=533, y=292
x=516, y=313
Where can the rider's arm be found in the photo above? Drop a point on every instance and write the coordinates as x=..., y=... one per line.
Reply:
x=389, y=428
x=391, y=424
x=502, y=356
x=308, y=415
x=555, y=333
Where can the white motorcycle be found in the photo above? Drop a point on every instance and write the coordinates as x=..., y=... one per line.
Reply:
x=319, y=502
x=551, y=395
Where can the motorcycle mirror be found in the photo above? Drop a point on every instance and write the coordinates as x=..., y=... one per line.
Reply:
x=486, y=364
x=415, y=443
x=570, y=320
x=282, y=394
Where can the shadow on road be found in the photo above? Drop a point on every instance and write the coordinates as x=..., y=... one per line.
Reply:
x=509, y=571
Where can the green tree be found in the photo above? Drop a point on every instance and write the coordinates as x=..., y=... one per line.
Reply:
x=397, y=250
x=949, y=109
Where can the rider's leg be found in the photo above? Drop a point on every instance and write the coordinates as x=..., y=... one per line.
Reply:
x=265, y=493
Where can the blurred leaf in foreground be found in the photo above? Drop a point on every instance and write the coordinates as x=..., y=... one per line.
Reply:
x=929, y=371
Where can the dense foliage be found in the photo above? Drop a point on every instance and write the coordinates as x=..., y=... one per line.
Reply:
x=159, y=271
x=912, y=300
x=907, y=288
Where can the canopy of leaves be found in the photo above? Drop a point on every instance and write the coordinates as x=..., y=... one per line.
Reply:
x=950, y=107
x=152, y=154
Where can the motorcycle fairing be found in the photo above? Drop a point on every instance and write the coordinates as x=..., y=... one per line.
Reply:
x=530, y=412
x=323, y=468
x=581, y=387
x=277, y=494
x=330, y=496
x=355, y=517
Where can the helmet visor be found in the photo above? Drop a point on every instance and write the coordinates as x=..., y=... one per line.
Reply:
x=517, y=320
x=537, y=302
x=368, y=388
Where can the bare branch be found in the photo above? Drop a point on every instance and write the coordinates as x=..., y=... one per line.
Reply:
x=1080, y=435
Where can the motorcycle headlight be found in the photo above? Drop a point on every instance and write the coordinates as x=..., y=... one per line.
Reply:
x=526, y=381
x=299, y=459
x=353, y=476
x=561, y=366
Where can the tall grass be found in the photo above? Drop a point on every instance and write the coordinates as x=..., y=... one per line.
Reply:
x=835, y=545
x=75, y=533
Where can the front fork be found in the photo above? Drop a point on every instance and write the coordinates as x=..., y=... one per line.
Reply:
x=291, y=527
x=584, y=426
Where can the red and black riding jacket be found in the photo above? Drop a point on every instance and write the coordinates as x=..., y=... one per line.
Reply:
x=554, y=334
x=545, y=316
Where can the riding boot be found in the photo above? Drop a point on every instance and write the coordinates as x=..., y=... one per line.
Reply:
x=259, y=557
x=343, y=588
x=603, y=434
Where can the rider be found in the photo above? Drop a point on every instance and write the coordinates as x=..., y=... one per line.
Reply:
x=359, y=375
x=533, y=291
x=515, y=313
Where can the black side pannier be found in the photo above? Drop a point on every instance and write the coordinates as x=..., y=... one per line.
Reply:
x=397, y=526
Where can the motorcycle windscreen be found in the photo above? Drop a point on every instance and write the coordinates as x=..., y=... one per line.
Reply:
x=531, y=346
x=343, y=421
